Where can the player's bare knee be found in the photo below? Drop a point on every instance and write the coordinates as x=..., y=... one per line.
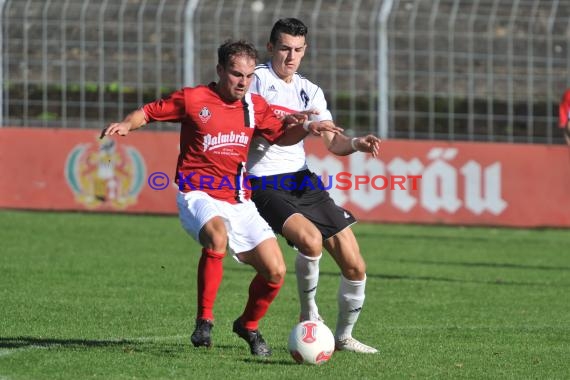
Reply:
x=310, y=244
x=218, y=243
x=355, y=272
x=276, y=276
x=277, y=273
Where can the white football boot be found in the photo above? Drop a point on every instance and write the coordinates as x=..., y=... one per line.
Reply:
x=351, y=344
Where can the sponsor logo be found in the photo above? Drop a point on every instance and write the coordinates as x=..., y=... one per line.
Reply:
x=225, y=139
x=280, y=113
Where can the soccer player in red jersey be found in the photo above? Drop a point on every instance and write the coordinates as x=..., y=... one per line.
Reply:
x=218, y=122
x=564, y=115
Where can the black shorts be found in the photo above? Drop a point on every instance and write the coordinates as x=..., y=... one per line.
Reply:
x=279, y=196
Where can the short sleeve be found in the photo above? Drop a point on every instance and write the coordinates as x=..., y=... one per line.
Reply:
x=320, y=104
x=267, y=125
x=171, y=108
x=255, y=85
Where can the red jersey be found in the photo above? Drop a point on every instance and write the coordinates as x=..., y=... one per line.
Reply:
x=564, y=110
x=214, y=138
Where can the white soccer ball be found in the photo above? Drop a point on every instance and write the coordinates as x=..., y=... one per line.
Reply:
x=311, y=342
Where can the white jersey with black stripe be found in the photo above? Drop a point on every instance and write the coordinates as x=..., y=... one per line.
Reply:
x=285, y=98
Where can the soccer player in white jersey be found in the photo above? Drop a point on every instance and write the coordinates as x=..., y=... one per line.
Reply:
x=289, y=196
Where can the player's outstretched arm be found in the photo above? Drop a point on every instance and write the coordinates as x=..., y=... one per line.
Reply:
x=342, y=145
x=298, y=130
x=133, y=121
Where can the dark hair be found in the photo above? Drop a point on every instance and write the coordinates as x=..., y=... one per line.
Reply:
x=230, y=49
x=291, y=26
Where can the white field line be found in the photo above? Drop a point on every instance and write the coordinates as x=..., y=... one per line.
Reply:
x=7, y=352
x=156, y=338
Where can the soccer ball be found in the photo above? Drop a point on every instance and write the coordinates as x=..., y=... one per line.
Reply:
x=311, y=342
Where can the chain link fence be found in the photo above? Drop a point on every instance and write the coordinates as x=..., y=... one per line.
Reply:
x=480, y=70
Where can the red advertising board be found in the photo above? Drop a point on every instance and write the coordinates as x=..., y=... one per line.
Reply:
x=411, y=181
x=461, y=183
x=60, y=169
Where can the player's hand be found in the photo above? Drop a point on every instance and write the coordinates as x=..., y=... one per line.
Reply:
x=316, y=128
x=299, y=117
x=308, y=113
x=370, y=144
x=121, y=129
x=294, y=119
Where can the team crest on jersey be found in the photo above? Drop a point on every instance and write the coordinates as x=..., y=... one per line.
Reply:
x=304, y=98
x=204, y=114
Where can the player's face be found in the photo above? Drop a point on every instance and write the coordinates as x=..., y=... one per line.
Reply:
x=287, y=54
x=235, y=78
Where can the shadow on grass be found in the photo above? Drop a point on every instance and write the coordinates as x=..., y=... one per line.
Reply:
x=127, y=346
x=270, y=361
x=484, y=265
x=27, y=341
x=412, y=237
x=496, y=281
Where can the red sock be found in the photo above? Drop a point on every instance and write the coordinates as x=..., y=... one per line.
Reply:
x=210, y=272
x=261, y=294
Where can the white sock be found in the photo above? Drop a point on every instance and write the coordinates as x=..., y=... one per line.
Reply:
x=307, y=271
x=350, y=301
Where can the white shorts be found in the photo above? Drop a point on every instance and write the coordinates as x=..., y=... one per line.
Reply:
x=246, y=228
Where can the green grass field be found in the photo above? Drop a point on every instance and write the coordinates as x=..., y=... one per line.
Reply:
x=95, y=296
